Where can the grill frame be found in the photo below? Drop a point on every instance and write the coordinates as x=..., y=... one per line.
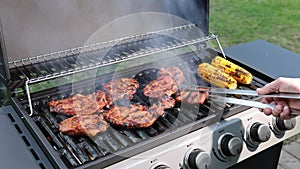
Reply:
x=94, y=164
x=140, y=146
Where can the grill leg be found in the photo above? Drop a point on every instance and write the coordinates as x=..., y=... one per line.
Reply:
x=265, y=159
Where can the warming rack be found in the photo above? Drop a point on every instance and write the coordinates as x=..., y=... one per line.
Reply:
x=181, y=36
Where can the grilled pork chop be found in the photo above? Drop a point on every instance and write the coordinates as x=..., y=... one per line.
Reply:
x=192, y=97
x=79, y=104
x=163, y=85
x=134, y=116
x=90, y=125
x=176, y=73
x=121, y=88
x=166, y=102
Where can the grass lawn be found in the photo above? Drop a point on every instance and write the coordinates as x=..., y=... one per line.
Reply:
x=240, y=21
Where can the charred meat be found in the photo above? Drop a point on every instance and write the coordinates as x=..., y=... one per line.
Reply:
x=134, y=116
x=166, y=102
x=89, y=125
x=79, y=104
x=176, y=73
x=163, y=85
x=157, y=109
x=121, y=88
x=192, y=97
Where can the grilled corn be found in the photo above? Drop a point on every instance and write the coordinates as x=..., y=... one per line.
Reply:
x=216, y=76
x=237, y=72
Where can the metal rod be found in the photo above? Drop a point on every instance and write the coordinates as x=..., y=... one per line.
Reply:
x=220, y=46
x=28, y=96
x=130, y=57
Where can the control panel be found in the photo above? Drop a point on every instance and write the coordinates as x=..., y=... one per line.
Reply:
x=264, y=131
x=219, y=145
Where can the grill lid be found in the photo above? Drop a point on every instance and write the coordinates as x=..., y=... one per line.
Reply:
x=33, y=27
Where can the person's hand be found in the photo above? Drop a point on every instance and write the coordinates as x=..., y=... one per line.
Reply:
x=283, y=106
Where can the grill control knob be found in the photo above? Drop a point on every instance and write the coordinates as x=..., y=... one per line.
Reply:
x=161, y=166
x=258, y=133
x=230, y=145
x=281, y=125
x=197, y=159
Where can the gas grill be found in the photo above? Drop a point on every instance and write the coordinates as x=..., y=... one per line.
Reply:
x=212, y=135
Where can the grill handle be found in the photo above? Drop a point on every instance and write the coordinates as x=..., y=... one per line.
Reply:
x=4, y=71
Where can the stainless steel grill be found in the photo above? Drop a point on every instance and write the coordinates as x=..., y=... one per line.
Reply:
x=77, y=151
x=184, y=137
x=80, y=151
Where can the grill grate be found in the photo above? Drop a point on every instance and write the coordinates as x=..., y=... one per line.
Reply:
x=70, y=61
x=81, y=150
x=78, y=151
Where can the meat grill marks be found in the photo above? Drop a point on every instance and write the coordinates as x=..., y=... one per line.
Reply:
x=144, y=123
x=79, y=104
x=163, y=85
x=89, y=125
x=134, y=116
x=191, y=97
x=176, y=73
x=166, y=102
x=122, y=88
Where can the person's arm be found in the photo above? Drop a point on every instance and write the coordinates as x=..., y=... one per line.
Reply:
x=283, y=106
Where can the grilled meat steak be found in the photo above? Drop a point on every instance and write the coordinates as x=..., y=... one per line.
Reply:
x=192, y=97
x=163, y=85
x=134, y=116
x=166, y=102
x=79, y=104
x=121, y=88
x=176, y=73
x=157, y=109
x=89, y=125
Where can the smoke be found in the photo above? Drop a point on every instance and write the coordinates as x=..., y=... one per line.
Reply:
x=143, y=22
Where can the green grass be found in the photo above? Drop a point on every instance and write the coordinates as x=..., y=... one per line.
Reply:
x=240, y=21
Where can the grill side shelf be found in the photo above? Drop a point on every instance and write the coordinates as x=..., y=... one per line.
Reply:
x=15, y=136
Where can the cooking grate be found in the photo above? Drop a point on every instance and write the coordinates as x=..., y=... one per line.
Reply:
x=78, y=151
x=62, y=63
x=116, y=143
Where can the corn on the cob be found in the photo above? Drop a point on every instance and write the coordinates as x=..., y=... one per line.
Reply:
x=237, y=72
x=216, y=76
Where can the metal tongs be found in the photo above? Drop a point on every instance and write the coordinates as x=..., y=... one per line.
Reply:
x=249, y=103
